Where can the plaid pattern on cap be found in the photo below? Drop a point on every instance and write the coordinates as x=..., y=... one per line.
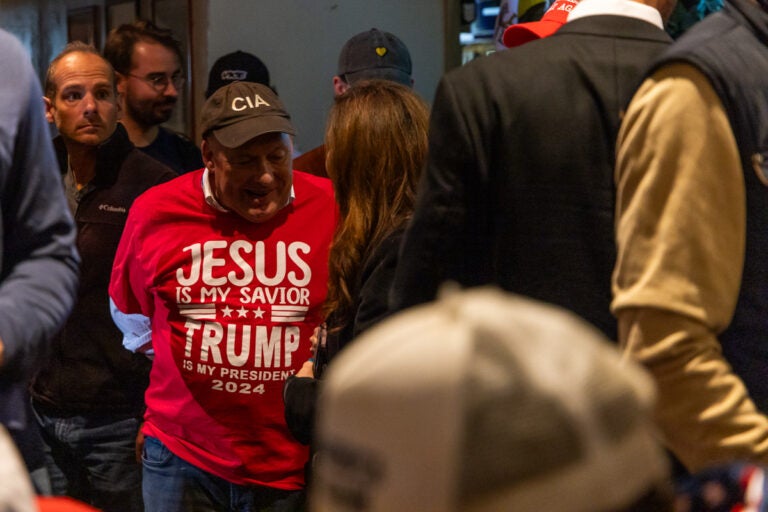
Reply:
x=375, y=54
x=483, y=401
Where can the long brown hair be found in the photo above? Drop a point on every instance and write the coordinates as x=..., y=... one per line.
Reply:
x=376, y=143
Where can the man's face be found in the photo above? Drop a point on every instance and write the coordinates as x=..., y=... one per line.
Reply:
x=85, y=109
x=145, y=104
x=253, y=180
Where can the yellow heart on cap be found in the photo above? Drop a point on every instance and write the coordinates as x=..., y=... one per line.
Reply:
x=381, y=51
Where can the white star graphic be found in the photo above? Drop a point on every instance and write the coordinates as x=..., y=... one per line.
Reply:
x=259, y=313
x=227, y=311
x=242, y=312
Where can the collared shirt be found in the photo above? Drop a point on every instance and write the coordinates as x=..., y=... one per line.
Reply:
x=627, y=8
x=215, y=204
x=71, y=190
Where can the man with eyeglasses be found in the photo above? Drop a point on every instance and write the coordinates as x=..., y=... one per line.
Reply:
x=148, y=60
x=89, y=394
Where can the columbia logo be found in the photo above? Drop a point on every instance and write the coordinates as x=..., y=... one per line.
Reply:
x=109, y=208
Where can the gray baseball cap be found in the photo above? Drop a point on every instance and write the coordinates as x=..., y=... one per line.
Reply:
x=375, y=54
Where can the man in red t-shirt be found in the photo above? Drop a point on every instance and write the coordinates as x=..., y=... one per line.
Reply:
x=229, y=267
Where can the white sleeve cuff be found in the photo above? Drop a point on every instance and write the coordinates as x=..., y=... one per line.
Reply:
x=136, y=329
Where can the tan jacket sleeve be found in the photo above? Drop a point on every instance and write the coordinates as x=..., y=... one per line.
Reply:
x=681, y=235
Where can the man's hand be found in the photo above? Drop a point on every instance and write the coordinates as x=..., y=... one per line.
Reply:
x=139, y=447
x=307, y=369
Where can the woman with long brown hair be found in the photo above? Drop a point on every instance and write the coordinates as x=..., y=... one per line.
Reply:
x=377, y=143
x=376, y=146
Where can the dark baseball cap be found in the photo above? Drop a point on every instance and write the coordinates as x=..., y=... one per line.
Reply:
x=240, y=111
x=375, y=54
x=236, y=66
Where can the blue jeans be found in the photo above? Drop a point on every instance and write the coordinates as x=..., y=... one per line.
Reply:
x=92, y=458
x=174, y=485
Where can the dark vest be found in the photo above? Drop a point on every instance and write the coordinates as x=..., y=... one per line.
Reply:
x=731, y=49
x=89, y=371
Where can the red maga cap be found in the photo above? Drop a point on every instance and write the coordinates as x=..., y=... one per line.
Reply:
x=553, y=19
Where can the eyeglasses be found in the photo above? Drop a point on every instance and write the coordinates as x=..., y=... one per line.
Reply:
x=160, y=82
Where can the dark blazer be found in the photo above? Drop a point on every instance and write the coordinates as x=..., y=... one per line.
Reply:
x=518, y=188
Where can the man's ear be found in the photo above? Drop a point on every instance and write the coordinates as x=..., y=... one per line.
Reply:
x=119, y=105
x=339, y=86
x=49, y=108
x=120, y=83
x=207, y=151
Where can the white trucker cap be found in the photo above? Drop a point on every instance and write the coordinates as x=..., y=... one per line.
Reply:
x=484, y=401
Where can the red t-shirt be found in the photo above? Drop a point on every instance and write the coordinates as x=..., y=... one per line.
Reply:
x=232, y=306
x=62, y=504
